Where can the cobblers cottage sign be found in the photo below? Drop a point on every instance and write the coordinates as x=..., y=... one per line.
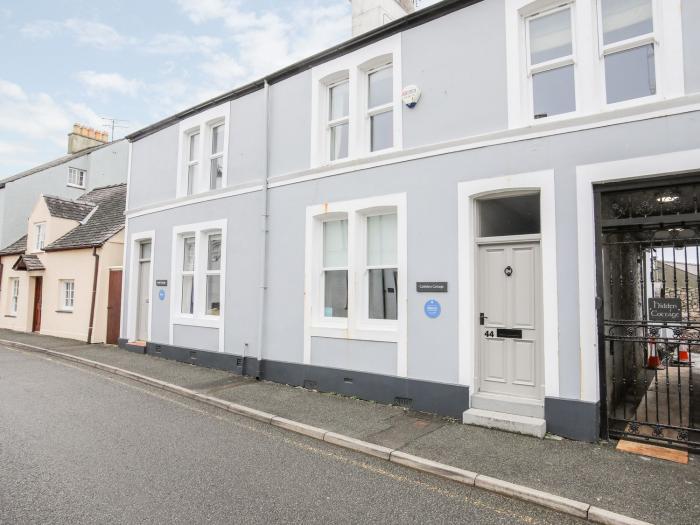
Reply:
x=666, y=309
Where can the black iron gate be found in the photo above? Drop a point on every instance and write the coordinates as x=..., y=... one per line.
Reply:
x=650, y=327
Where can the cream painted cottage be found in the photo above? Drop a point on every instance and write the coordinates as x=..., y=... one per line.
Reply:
x=63, y=278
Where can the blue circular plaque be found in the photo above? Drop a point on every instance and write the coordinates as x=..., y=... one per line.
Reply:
x=432, y=309
x=161, y=295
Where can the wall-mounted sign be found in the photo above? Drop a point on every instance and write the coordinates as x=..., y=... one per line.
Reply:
x=410, y=95
x=432, y=309
x=665, y=309
x=440, y=287
x=161, y=282
x=161, y=295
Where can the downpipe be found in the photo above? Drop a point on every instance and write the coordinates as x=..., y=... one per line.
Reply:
x=94, y=294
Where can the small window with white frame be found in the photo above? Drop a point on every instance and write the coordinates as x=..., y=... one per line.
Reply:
x=203, y=151
x=39, y=236
x=628, y=48
x=77, y=177
x=380, y=107
x=551, y=61
x=67, y=299
x=356, y=268
x=199, y=272
x=14, y=295
x=193, y=153
x=339, y=119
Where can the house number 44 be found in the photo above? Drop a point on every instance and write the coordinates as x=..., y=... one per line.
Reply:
x=489, y=333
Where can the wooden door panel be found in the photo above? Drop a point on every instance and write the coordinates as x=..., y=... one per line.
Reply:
x=114, y=306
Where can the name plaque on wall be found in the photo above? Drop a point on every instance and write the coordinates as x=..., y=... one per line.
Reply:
x=665, y=309
x=431, y=287
x=161, y=282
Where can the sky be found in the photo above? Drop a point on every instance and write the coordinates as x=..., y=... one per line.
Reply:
x=68, y=61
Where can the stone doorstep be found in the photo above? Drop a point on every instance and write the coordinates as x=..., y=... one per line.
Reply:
x=529, y=426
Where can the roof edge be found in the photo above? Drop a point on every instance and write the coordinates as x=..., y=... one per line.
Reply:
x=409, y=21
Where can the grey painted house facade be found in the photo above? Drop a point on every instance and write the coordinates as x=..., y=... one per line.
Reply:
x=283, y=229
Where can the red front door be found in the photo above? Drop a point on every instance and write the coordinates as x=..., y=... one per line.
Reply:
x=114, y=306
x=36, y=321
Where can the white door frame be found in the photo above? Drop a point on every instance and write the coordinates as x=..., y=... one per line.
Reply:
x=467, y=193
x=586, y=176
x=134, y=271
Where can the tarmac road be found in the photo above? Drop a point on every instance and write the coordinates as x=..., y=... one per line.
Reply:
x=81, y=446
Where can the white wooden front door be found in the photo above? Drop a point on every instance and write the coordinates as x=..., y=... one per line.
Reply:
x=144, y=292
x=509, y=360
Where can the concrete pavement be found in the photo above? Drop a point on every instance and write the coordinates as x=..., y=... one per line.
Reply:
x=648, y=489
x=82, y=446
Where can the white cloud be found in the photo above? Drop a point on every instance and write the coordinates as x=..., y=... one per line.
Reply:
x=102, y=83
x=11, y=90
x=88, y=32
x=37, y=117
x=178, y=44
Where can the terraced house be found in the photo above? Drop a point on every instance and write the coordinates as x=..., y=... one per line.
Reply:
x=458, y=211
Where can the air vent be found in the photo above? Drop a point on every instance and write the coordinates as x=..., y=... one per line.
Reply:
x=405, y=402
x=310, y=385
x=239, y=362
x=158, y=349
x=193, y=355
x=347, y=380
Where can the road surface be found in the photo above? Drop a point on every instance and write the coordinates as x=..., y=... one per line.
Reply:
x=79, y=445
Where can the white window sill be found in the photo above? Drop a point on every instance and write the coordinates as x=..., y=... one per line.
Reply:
x=363, y=334
x=75, y=186
x=203, y=322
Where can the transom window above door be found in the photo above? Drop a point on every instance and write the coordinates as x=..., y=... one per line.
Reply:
x=509, y=215
x=203, y=151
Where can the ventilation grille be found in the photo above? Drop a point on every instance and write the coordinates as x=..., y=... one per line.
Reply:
x=310, y=385
x=405, y=402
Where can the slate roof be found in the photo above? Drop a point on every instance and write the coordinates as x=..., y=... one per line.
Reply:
x=68, y=209
x=106, y=221
x=30, y=263
x=17, y=247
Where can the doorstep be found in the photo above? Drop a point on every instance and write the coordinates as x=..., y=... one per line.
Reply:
x=529, y=426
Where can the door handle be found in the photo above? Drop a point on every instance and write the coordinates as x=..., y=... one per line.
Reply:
x=482, y=318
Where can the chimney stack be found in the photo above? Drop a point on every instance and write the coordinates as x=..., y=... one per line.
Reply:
x=83, y=137
x=370, y=14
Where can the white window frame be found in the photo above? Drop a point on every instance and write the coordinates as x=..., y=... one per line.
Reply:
x=357, y=326
x=355, y=67
x=182, y=273
x=189, y=162
x=589, y=64
x=213, y=156
x=341, y=78
x=201, y=232
x=203, y=123
x=39, y=236
x=366, y=71
x=14, y=286
x=65, y=293
x=77, y=177
x=550, y=65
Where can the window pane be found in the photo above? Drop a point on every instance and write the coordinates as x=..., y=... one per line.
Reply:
x=213, y=294
x=550, y=37
x=145, y=249
x=623, y=19
x=191, y=178
x=630, y=74
x=383, y=294
x=339, y=142
x=554, y=92
x=381, y=240
x=335, y=303
x=381, y=87
x=188, y=254
x=339, y=101
x=216, y=174
x=335, y=244
x=214, y=257
x=217, y=139
x=194, y=146
x=509, y=216
x=187, y=303
x=382, y=130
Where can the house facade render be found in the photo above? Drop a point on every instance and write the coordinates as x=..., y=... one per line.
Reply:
x=310, y=228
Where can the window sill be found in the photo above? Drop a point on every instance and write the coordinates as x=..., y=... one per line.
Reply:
x=202, y=322
x=363, y=334
x=75, y=186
